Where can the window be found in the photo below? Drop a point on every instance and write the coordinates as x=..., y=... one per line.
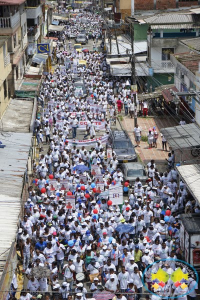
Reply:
x=188, y=0
x=15, y=40
x=166, y=53
x=5, y=88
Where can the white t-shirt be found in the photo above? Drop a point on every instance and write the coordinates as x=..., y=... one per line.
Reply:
x=79, y=266
x=123, y=280
x=137, y=131
x=68, y=269
x=112, y=285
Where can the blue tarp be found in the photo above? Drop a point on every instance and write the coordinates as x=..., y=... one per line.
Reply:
x=124, y=228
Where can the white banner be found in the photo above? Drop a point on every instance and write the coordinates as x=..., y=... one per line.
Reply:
x=116, y=194
x=96, y=108
x=97, y=124
x=79, y=143
x=70, y=202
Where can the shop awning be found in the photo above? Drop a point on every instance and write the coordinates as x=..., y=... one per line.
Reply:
x=56, y=28
x=182, y=136
x=191, y=176
x=63, y=18
x=33, y=71
x=167, y=94
x=38, y=58
x=55, y=22
x=141, y=69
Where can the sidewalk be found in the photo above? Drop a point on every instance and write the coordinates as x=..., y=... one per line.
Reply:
x=143, y=151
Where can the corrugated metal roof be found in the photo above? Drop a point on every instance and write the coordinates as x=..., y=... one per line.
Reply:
x=191, y=176
x=182, y=137
x=177, y=26
x=14, y=119
x=11, y=2
x=171, y=19
x=56, y=28
x=13, y=161
x=194, y=43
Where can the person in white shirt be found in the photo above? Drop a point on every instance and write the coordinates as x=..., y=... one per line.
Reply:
x=33, y=285
x=123, y=277
x=69, y=269
x=111, y=284
x=79, y=265
x=136, y=276
x=137, y=133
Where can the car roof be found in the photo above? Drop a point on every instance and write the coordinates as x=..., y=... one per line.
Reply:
x=120, y=134
x=133, y=165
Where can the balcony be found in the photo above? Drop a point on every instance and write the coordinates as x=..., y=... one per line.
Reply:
x=33, y=12
x=23, y=18
x=32, y=31
x=7, y=60
x=10, y=22
x=163, y=66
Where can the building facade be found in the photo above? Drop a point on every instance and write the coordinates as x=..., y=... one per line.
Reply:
x=124, y=6
x=5, y=74
x=13, y=24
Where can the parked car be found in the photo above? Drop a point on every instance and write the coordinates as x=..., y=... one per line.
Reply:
x=120, y=142
x=78, y=47
x=81, y=39
x=133, y=170
x=80, y=90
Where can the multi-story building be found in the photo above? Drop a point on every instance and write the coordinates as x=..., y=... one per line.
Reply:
x=163, y=36
x=5, y=74
x=124, y=6
x=13, y=25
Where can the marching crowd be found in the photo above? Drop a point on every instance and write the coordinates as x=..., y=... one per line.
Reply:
x=69, y=238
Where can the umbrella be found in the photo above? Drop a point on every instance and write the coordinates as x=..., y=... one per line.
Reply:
x=124, y=228
x=81, y=168
x=85, y=50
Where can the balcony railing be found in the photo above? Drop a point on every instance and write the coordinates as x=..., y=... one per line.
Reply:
x=32, y=31
x=10, y=22
x=7, y=60
x=167, y=65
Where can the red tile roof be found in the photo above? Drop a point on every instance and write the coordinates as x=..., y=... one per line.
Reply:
x=11, y=2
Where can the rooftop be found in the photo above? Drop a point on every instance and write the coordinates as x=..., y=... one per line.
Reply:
x=193, y=43
x=13, y=120
x=189, y=60
x=11, y=2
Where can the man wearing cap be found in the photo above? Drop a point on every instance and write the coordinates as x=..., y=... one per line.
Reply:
x=131, y=265
x=64, y=290
x=94, y=285
x=112, y=284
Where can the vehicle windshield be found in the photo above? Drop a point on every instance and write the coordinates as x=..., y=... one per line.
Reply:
x=81, y=36
x=77, y=46
x=135, y=173
x=122, y=145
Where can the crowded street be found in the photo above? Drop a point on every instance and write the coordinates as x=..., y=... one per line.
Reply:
x=98, y=222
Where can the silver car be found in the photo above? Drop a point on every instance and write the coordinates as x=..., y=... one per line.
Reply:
x=133, y=170
x=81, y=39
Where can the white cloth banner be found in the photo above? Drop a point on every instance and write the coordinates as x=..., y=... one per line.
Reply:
x=79, y=143
x=97, y=124
x=116, y=194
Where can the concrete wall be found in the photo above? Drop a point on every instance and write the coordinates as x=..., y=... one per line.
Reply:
x=5, y=71
x=155, y=4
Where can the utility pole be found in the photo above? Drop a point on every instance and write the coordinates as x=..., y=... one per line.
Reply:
x=133, y=78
